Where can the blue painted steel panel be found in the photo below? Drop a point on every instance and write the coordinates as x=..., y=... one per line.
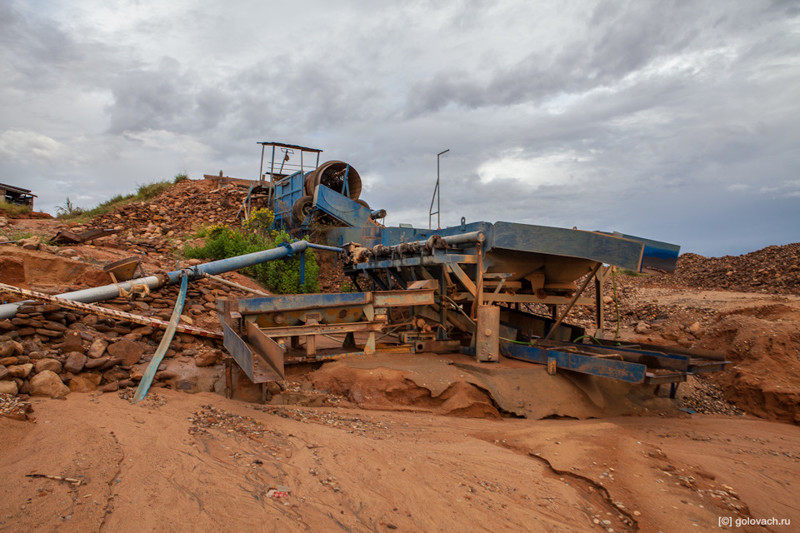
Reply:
x=369, y=236
x=287, y=192
x=567, y=243
x=585, y=364
x=285, y=302
x=675, y=361
x=340, y=207
x=657, y=254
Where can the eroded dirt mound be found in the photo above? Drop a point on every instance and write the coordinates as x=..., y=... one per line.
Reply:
x=32, y=269
x=454, y=385
x=765, y=376
x=761, y=341
x=25, y=216
x=386, y=388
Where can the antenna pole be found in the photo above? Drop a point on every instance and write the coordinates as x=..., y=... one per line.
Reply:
x=436, y=197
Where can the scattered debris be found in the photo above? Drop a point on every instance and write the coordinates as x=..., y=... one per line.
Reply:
x=68, y=237
x=211, y=417
x=14, y=407
x=70, y=480
x=278, y=492
x=707, y=398
x=356, y=425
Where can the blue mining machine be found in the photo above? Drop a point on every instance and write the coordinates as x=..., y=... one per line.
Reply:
x=486, y=289
x=300, y=191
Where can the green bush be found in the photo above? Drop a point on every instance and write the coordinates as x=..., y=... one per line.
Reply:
x=14, y=209
x=632, y=273
x=151, y=190
x=281, y=276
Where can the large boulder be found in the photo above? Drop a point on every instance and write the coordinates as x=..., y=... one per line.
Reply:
x=31, y=243
x=187, y=377
x=97, y=349
x=53, y=365
x=8, y=387
x=72, y=342
x=208, y=357
x=75, y=362
x=49, y=384
x=82, y=384
x=20, y=371
x=129, y=351
x=9, y=348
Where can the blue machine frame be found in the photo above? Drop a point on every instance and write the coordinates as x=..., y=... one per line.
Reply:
x=627, y=363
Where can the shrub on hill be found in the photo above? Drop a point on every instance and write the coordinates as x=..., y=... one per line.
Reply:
x=281, y=276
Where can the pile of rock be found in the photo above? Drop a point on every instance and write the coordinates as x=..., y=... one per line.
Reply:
x=179, y=210
x=48, y=351
x=772, y=270
x=706, y=397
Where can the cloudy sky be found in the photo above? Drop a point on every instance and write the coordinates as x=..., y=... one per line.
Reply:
x=678, y=121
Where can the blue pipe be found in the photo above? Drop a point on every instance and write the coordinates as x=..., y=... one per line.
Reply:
x=107, y=292
x=323, y=247
x=241, y=261
x=163, y=346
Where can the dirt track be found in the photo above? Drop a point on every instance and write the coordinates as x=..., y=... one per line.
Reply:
x=173, y=463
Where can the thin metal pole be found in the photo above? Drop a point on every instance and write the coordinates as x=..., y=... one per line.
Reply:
x=479, y=281
x=572, y=301
x=261, y=168
x=437, y=196
x=223, y=281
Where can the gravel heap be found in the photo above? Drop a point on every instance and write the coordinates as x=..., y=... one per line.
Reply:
x=771, y=270
x=708, y=398
x=179, y=209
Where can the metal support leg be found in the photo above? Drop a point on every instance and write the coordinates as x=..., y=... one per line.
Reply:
x=228, y=377
x=572, y=302
x=349, y=341
x=598, y=300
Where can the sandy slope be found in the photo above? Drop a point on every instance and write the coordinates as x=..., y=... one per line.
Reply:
x=173, y=464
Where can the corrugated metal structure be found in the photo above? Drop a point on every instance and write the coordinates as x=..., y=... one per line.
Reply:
x=17, y=195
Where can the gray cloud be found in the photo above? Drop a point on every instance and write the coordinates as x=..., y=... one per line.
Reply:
x=672, y=120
